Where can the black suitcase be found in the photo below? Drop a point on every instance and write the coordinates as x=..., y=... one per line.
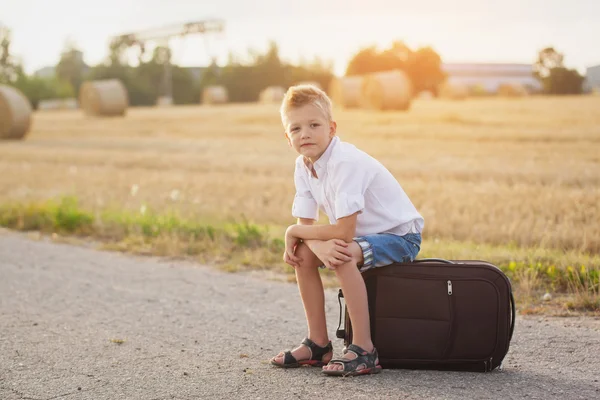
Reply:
x=438, y=314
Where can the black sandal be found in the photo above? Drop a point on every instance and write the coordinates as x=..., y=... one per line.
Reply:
x=316, y=356
x=363, y=357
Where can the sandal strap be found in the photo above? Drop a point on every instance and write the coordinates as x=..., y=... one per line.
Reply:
x=363, y=357
x=359, y=351
x=317, y=352
x=288, y=358
x=349, y=365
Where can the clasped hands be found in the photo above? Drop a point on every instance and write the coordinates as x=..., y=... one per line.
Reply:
x=332, y=253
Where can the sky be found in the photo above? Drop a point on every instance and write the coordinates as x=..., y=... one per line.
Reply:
x=510, y=31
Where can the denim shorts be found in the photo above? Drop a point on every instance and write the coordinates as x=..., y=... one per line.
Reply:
x=385, y=248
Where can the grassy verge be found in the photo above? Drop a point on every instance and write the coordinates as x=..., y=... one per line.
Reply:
x=570, y=279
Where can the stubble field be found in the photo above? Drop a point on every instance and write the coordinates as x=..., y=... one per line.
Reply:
x=494, y=178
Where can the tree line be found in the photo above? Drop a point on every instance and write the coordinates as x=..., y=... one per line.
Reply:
x=245, y=80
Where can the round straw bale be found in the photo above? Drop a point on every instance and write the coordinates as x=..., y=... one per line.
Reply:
x=345, y=91
x=478, y=90
x=512, y=90
x=389, y=90
x=104, y=98
x=425, y=95
x=164, y=101
x=453, y=91
x=15, y=113
x=272, y=94
x=214, y=95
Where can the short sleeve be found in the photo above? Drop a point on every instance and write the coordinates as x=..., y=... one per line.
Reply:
x=305, y=206
x=350, y=181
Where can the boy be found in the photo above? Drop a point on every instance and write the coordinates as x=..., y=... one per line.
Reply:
x=372, y=223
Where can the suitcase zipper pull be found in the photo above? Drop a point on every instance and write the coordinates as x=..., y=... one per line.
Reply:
x=449, y=288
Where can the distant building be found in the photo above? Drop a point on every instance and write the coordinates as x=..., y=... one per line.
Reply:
x=489, y=77
x=50, y=72
x=592, y=79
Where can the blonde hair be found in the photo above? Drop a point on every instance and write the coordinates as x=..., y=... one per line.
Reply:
x=301, y=95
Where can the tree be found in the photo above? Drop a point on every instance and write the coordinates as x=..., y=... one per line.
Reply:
x=369, y=60
x=145, y=82
x=554, y=76
x=548, y=58
x=34, y=88
x=117, y=49
x=425, y=70
x=9, y=68
x=563, y=81
x=37, y=89
x=423, y=67
x=244, y=80
x=71, y=68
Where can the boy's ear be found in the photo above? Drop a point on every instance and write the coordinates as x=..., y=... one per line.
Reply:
x=287, y=138
x=332, y=128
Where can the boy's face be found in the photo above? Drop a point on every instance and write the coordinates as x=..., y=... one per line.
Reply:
x=309, y=131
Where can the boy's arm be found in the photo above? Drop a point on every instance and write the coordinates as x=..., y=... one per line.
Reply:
x=305, y=221
x=344, y=228
x=309, y=242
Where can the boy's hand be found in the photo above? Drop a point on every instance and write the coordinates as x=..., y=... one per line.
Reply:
x=332, y=252
x=289, y=261
x=290, y=248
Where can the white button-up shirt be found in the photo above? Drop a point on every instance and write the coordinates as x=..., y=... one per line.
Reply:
x=349, y=181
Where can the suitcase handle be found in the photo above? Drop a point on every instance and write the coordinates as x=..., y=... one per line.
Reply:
x=513, y=316
x=340, y=333
x=423, y=260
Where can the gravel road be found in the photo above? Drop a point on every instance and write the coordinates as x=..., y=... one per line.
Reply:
x=77, y=323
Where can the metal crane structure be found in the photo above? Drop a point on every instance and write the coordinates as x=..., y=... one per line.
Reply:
x=161, y=36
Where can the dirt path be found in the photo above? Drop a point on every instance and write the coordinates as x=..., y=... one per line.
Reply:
x=192, y=332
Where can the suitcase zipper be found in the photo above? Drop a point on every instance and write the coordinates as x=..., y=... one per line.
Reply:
x=450, y=291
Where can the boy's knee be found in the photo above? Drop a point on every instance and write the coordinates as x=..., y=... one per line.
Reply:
x=309, y=260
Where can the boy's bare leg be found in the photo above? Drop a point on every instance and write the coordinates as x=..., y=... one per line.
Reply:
x=313, y=299
x=355, y=295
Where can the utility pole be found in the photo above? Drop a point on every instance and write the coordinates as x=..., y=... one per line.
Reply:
x=161, y=37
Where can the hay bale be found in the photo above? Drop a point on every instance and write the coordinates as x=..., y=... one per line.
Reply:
x=478, y=90
x=426, y=95
x=512, y=90
x=104, y=98
x=453, y=91
x=15, y=113
x=164, y=101
x=346, y=91
x=214, y=95
x=272, y=94
x=389, y=90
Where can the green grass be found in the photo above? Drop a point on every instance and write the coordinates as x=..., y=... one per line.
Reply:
x=241, y=246
x=148, y=232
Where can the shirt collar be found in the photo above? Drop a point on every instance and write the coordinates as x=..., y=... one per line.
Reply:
x=321, y=165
